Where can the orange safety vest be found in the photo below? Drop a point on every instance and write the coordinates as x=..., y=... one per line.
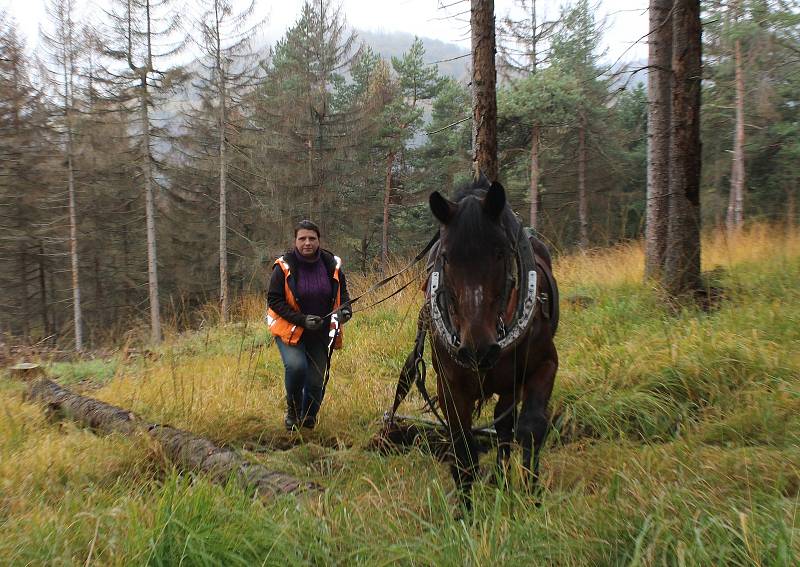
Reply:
x=288, y=332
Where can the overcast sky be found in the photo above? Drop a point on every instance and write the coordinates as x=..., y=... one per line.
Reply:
x=626, y=20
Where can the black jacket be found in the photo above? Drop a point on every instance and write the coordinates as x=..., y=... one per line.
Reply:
x=276, y=296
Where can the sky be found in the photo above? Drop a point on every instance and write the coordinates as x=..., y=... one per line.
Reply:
x=626, y=20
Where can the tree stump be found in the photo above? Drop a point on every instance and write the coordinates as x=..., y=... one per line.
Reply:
x=26, y=371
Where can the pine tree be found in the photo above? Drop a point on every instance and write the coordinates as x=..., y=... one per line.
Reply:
x=415, y=83
x=682, y=262
x=141, y=34
x=63, y=43
x=307, y=137
x=230, y=70
x=525, y=51
x=658, y=133
x=484, y=90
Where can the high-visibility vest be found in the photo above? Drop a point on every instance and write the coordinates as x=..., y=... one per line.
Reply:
x=288, y=332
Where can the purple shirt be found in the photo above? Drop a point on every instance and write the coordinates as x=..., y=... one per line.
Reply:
x=314, y=287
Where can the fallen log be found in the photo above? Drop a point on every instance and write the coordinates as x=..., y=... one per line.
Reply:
x=185, y=450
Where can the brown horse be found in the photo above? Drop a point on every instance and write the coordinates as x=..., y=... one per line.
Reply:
x=492, y=311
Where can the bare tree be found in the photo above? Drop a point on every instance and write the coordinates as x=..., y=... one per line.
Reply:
x=63, y=45
x=658, y=135
x=484, y=82
x=143, y=32
x=230, y=69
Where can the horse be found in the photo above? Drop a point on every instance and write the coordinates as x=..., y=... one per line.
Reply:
x=492, y=311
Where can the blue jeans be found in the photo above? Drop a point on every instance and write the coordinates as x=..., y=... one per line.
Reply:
x=304, y=365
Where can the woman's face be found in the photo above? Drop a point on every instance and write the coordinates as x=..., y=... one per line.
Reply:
x=306, y=242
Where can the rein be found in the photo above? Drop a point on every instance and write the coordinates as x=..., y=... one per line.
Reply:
x=524, y=313
x=335, y=325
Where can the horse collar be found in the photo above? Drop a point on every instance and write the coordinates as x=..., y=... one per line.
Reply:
x=524, y=310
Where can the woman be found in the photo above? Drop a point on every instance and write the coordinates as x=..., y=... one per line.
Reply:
x=307, y=285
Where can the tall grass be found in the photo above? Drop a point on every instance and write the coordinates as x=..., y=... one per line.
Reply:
x=677, y=440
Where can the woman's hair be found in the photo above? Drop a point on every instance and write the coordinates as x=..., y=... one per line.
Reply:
x=307, y=225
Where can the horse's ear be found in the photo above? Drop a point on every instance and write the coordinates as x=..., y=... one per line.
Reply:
x=442, y=208
x=495, y=200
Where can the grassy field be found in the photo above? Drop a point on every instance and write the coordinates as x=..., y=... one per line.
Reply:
x=677, y=441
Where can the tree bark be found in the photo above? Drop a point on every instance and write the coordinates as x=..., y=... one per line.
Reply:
x=735, y=217
x=23, y=285
x=43, y=293
x=223, y=175
x=682, y=268
x=77, y=314
x=583, y=205
x=387, y=194
x=658, y=136
x=484, y=99
x=150, y=215
x=186, y=450
x=535, y=174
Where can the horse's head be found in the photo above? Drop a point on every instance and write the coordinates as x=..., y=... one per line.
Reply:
x=476, y=254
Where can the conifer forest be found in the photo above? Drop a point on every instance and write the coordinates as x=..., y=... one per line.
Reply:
x=153, y=161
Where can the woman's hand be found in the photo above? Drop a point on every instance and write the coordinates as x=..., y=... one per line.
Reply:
x=344, y=314
x=313, y=322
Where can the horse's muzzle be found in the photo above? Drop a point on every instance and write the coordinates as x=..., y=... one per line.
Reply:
x=483, y=358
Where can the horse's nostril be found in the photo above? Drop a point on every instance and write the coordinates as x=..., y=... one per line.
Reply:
x=489, y=356
x=465, y=355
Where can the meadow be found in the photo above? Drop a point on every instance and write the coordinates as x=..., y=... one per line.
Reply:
x=676, y=439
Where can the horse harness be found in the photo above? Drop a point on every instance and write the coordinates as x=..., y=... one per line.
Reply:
x=523, y=293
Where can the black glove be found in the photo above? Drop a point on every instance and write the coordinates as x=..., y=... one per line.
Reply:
x=313, y=322
x=344, y=314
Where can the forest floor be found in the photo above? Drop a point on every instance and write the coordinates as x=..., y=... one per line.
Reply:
x=678, y=440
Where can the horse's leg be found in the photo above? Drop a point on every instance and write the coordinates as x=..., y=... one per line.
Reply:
x=458, y=413
x=505, y=435
x=533, y=424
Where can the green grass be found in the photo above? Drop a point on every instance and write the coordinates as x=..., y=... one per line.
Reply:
x=677, y=442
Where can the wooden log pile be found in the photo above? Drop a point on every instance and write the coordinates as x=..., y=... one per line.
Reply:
x=184, y=449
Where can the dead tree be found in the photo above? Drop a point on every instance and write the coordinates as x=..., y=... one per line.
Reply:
x=185, y=450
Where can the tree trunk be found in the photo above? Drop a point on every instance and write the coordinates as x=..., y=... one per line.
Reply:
x=223, y=218
x=682, y=268
x=658, y=136
x=187, y=451
x=535, y=173
x=223, y=174
x=23, y=285
x=150, y=216
x=735, y=217
x=791, y=210
x=77, y=314
x=484, y=100
x=43, y=292
x=583, y=205
x=387, y=193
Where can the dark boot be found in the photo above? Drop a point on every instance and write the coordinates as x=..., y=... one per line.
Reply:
x=291, y=421
x=310, y=421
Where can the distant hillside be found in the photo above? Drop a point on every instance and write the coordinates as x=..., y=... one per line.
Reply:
x=394, y=44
